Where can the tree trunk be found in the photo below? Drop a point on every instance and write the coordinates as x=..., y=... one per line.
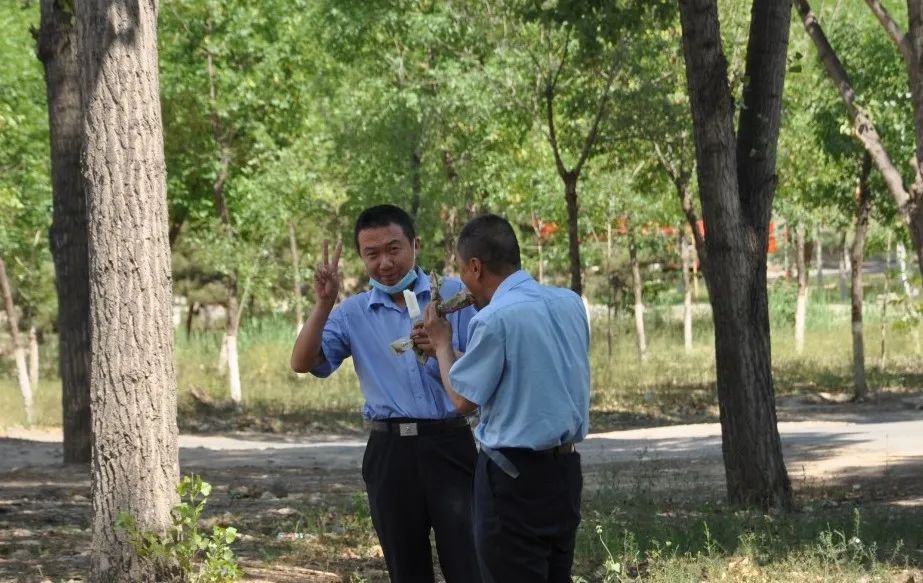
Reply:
x=573, y=234
x=33, y=357
x=885, y=299
x=863, y=211
x=787, y=254
x=57, y=49
x=132, y=376
x=608, y=297
x=19, y=353
x=686, y=252
x=801, y=306
x=902, y=270
x=230, y=342
x=296, y=276
x=819, y=259
x=638, y=286
x=844, y=268
x=416, y=182
x=737, y=179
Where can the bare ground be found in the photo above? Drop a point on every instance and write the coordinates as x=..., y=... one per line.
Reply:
x=270, y=484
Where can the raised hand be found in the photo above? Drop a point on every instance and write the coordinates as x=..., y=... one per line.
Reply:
x=327, y=275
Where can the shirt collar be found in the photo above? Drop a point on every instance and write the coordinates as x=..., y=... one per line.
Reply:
x=511, y=281
x=420, y=287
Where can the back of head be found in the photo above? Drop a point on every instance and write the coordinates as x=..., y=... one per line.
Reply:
x=381, y=216
x=491, y=239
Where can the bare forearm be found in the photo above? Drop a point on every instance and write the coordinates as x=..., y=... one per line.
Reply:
x=307, y=351
x=447, y=356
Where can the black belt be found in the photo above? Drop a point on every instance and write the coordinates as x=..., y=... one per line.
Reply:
x=412, y=427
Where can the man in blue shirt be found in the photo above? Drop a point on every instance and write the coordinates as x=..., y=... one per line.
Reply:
x=419, y=461
x=526, y=366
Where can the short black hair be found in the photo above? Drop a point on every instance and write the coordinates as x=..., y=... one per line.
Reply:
x=381, y=216
x=491, y=239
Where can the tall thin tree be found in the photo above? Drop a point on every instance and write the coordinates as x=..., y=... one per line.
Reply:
x=57, y=49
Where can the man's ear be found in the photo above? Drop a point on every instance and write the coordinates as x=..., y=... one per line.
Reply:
x=476, y=267
x=417, y=244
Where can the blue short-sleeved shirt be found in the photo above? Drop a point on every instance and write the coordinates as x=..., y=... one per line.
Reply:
x=364, y=325
x=527, y=366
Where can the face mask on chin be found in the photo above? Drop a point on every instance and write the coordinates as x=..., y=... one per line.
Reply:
x=400, y=286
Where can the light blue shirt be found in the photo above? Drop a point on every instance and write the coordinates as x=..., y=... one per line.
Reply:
x=527, y=366
x=364, y=325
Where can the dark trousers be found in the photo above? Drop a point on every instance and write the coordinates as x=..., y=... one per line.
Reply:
x=525, y=527
x=420, y=483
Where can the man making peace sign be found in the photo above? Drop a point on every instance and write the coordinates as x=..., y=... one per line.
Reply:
x=419, y=462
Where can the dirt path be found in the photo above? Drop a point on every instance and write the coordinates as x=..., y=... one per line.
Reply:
x=261, y=479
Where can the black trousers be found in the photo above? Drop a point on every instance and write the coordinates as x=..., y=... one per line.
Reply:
x=525, y=527
x=420, y=483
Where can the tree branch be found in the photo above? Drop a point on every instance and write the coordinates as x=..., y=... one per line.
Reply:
x=600, y=113
x=892, y=28
x=864, y=128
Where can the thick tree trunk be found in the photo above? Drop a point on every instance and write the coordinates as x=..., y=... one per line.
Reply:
x=132, y=376
x=736, y=184
x=296, y=276
x=638, y=286
x=801, y=305
x=844, y=268
x=863, y=211
x=686, y=252
x=57, y=49
x=19, y=353
x=573, y=234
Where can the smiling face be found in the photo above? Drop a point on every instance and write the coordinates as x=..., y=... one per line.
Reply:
x=387, y=252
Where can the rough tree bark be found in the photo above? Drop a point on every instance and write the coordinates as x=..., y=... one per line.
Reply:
x=19, y=352
x=863, y=211
x=801, y=304
x=132, y=378
x=737, y=180
x=57, y=49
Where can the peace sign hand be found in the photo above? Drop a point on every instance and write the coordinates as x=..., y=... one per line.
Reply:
x=327, y=276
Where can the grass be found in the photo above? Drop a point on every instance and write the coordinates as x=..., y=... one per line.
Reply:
x=637, y=536
x=669, y=387
x=665, y=540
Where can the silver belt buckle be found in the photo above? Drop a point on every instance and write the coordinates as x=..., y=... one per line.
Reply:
x=408, y=429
